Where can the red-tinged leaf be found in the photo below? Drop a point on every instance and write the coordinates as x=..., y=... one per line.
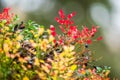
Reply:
x=60, y=41
x=71, y=15
x=61, y=22
x=66, y=22
x=53, y=33
x=94, y=29
x=6, y=12
x=78, y=32
x=54, y=41
x=52, y=28
x=62, y=29
x=61, y=13
x=86, y=29
x=89, y=41
x=92, y=34
x=69, y=33
x=71, y=22
x=73, y=28
x=82, y=33
x=5, y=15
x=57, y=19
x=0, y=16
x=75, y=36
x=99, y=38
x=86, y=34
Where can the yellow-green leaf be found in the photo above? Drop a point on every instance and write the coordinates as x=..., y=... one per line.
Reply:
x=73, y=67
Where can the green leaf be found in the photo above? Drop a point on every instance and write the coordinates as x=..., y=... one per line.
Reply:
x=99, y=69
x=16, y=18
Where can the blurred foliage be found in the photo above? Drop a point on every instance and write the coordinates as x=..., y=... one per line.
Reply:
x=33, y=52
x=82, y=18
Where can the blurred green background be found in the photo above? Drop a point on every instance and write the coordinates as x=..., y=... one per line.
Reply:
x=105, y=13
